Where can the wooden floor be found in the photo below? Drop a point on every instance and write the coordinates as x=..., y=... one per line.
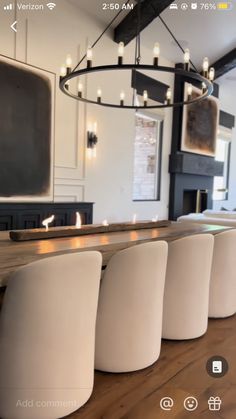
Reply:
x=180, y=372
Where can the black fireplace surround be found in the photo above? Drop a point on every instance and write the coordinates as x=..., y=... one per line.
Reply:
x=190, y=172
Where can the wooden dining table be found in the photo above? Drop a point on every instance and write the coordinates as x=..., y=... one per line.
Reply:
x=16, y=254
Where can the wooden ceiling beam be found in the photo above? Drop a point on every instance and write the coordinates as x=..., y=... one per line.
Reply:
x=225, y=64
x=150, y=9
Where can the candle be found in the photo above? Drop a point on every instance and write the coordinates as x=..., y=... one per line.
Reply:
x=78, y=220
x=80, y=89
x=155, y=219
x=94, y=152
x=168, y=96
x=121, y=50
x=122, y=98
x=105, y=223
x=48, y=221
x=205, y=66
x=211, y=74
x=68, y=64
x=63, y=71
x=89, y=153
x=95, y=128
x=190, y=91
x=156, y=53
x=145, y=97
x=186, y=59
x=99, y=95
x=134, y=219
x=89, y=56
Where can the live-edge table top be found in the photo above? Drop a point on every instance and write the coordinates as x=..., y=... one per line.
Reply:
x=16, y=254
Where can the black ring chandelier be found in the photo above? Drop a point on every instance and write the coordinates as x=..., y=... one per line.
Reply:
x=191, y=76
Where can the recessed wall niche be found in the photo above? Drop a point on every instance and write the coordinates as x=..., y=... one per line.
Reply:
x=147, y=157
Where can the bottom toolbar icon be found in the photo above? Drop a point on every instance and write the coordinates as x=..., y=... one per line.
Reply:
x=166, y=403
x=214, y=404
x=190, y=403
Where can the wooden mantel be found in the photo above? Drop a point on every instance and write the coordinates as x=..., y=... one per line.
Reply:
x=16, y=254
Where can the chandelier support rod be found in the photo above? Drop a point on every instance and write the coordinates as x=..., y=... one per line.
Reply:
x=138, y=57
x=176, y=41
x=137, y=54
x=101, y=35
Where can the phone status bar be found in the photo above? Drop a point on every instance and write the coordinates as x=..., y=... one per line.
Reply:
x=29, y=6
x=206, y=7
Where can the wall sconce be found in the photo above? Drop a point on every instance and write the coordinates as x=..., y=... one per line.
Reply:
x=92, y=140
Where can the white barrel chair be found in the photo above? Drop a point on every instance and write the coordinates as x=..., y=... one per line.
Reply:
x=223, y=276
x=186, y=297
x=47, y=337
x=129, y=321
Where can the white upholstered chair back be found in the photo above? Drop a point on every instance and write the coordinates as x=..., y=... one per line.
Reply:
x=129, y=322
x=223, y=276
x=47, y=335
x=186, y=297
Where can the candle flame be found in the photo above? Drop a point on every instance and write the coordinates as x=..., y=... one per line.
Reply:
x=134, y=218
x=78, y=220
x=155, y=219
x=48, y=221
x=105, y=223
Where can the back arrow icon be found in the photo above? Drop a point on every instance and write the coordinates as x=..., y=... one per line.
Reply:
x=13, y=26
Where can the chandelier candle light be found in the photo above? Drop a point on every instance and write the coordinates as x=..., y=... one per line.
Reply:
x=122, y=98
x=188, y=72
x=156, y=54
x=190, y=91
x=205, y=67
x=80, y=90
x=168, y=96
x=187, y=60
x=121, y=49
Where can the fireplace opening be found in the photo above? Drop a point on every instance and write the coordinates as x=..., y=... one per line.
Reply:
x=194, y=200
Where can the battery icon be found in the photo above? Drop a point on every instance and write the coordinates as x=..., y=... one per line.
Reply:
x=224, y=6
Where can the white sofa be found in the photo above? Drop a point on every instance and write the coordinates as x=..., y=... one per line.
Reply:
x=226, y=218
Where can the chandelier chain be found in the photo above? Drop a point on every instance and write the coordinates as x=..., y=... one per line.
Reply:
x=176, y=40
x=138, y=43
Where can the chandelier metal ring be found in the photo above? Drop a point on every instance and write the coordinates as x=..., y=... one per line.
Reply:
x=189, y=76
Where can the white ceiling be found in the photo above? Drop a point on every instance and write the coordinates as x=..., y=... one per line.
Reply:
x=95, y=9
x=205, y=33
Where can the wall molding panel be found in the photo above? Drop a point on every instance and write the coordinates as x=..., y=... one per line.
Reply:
x=63, y=192
x=69, y=178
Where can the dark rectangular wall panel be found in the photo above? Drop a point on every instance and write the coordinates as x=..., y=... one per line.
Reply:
x=156, y=89
x=25, y=132
x=227, y=120
x=225, y=64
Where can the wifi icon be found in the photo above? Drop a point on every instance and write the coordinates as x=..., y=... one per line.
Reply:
x=51, y=5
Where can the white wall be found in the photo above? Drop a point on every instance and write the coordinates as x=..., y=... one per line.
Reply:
x=44, y=40
x=228, y=104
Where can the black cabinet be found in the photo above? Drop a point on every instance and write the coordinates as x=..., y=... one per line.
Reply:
x=20, y=216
